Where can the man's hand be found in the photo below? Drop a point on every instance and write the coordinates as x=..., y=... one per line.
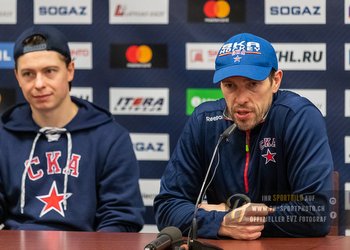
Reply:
x=245, y=222
x=222, y=207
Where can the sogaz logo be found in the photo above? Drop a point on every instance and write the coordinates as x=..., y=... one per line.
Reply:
x=295, y=12
x=63, y=12
x=194, y=97
x=154, y=147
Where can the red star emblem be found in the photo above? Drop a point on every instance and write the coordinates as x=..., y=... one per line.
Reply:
x=269, y=156
x=53, y=201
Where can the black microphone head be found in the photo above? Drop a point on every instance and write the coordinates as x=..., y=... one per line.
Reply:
x=173, y=232
x=228, y=131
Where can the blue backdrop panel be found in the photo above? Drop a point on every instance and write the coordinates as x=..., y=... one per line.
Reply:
x=188, y=23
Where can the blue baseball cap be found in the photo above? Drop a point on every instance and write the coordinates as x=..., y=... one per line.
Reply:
x=55, y=40
x=245, y=55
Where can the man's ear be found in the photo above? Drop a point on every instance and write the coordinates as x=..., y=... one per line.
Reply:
x=71, y=69
x=277, y=79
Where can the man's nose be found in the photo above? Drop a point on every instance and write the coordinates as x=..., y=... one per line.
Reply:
x=241, y=96
x=39, y=81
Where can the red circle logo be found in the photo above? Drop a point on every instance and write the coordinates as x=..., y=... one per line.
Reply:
x=216, y=9
x=138, y=54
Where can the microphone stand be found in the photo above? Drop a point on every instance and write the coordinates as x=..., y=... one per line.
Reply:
x=192, y=241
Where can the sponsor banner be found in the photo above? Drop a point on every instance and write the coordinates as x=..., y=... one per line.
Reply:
x=7, y=98
x=62, y=12
x=317, y=96
x=201, y=56
x=347, y=11
x=301, y=56
x=347, y=196
x=81, y=52
x=6, y=55
x=194, y=97
x=347, y=149
x=8, y=12
x=215, y=11
x=347, y=56
x=347, y=103
x=151, y=147
x=138, y=56
x=139, y=101
x=85, y=93
x=149, y=189
x=295, y=12
x=138, y=12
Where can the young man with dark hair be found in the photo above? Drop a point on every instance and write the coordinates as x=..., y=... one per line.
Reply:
x=65, y=164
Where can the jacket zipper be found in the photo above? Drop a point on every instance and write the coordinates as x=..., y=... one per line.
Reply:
x=247, y=158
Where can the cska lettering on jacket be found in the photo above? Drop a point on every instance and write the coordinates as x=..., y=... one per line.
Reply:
x=52, y=166
x=267, y=143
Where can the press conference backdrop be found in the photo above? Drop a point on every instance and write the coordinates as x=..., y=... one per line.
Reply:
x=150, y=62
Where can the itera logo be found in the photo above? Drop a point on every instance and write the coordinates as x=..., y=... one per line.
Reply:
x=139, y=101
x=216, y=9
x=194, y=97
x=138, y=54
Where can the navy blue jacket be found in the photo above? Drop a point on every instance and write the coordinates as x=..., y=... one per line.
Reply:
x=288, y=153
x=101, y=188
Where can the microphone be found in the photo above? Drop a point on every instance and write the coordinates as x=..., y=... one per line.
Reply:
x=192, y=242
x=166, y=238
x=227, y=132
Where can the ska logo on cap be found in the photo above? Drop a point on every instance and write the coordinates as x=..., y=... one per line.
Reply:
x=245, y=55
x=239, y=48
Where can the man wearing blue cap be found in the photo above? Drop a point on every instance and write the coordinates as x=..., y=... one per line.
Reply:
x=278, y=159
x=65, y=164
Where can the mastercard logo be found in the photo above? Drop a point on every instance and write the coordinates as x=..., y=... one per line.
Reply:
x=216, y=9
x=138, y=54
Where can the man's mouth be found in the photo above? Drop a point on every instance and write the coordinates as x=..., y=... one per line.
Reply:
x=242, y=114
